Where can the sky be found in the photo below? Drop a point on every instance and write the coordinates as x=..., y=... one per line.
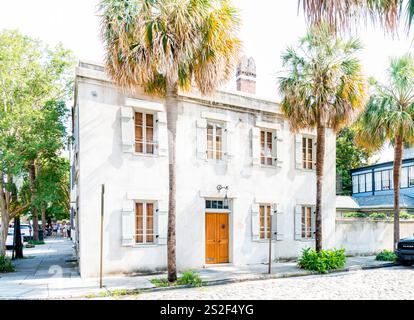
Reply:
x=269, y=26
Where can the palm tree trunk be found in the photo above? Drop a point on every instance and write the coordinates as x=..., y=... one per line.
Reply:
x=171, y=105
x=398, y=151
x=32, y=179
x=320, y=159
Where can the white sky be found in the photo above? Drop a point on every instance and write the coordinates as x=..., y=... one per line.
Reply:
x=269, y=26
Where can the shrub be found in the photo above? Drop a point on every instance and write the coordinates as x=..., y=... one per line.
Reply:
x=5, y=264
x=404, y=215
x=355, y=215
x=378, y=216
x=191, y=278
x=322, y=261
x=188, y=278
x=386, y=255
x=36, y=242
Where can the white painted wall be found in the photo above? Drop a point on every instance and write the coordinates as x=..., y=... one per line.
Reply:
x=361, y=236
x=103, y=161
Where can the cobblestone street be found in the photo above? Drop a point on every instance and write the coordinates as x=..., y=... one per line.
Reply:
x=387, y=283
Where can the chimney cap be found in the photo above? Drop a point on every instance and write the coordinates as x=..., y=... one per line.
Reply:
x=246, y=67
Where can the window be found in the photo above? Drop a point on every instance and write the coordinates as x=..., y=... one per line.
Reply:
x=361, y=182
x=144, y=133
x=386, y=184
x=216, y=204
x=214, y=141
x=378, y=181
x=267, y=147
x=307, y=153
x=265, y=216
x=354, y=184
x=404, y=177
x=144, y=222
x=307, y=222
x=411, y=177
x=368, y=182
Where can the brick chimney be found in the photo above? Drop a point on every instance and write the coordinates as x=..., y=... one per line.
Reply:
x=246, y=75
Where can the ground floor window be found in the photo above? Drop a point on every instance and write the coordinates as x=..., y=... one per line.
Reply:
x=307, y=220
x=144, y=222
x=265, y=216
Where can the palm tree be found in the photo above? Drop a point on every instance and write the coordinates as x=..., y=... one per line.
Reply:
x=346, y=14
x=323, y=88
x=389, y=116
x=164, y=46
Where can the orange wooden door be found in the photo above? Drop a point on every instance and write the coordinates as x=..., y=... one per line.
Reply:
x=217, y=238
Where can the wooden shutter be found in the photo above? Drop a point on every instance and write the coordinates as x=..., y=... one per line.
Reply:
x=298, y=222
x=162, y=222
x=229, y=143
x=127, y=129
x=256, y=148
x=278, y=146
x=162, y=134
x=202, y=139
x=128, y=223
x=298, y=151
x=255, y=222
x=278, y=222
x=313, y=222
x=314, y=142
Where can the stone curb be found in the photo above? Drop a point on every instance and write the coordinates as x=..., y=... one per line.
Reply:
x=208, y=283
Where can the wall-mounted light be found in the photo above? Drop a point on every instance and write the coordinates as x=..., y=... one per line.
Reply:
x=226, y=199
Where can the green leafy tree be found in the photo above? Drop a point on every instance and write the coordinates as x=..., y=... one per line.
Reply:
x=32, y=78
x=167, y=45
x=322, y=89
x=348, y=156
x=389, y=116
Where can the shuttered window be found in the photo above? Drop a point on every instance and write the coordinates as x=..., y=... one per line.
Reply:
x=307, y=153
x=144, y=133
x=306, y=222
x=265, y=216
x=267, y=147
x=214, y=141
x=144, y=222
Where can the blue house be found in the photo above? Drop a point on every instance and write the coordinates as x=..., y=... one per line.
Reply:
x=373, y=187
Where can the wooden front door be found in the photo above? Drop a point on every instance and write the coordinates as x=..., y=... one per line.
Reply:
x=217, y=238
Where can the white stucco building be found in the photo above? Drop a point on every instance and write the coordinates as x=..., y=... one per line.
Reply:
x=233, y=139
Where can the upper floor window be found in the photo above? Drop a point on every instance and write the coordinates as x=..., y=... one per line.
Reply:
x=265, y=216
x=144, y=133
x=308, y=153
x=214, y=141
x=267, y=147
x=144, y=222
x=362, y=183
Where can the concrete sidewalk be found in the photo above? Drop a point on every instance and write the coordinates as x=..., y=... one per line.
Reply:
x=47, y=273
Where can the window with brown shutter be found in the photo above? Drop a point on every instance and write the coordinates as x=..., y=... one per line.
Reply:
x=214, y=141
x=307, y=217
x=265, y=216
x=307, y=153
x=266, y=146
x=144, y=133
x=144, y=222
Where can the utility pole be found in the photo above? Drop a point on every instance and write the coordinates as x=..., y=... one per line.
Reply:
x=270, y=243
x=102, y=221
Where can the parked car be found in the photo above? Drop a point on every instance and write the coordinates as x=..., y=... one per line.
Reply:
x=405, y=251
x=25, y=230
x=10, y=239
